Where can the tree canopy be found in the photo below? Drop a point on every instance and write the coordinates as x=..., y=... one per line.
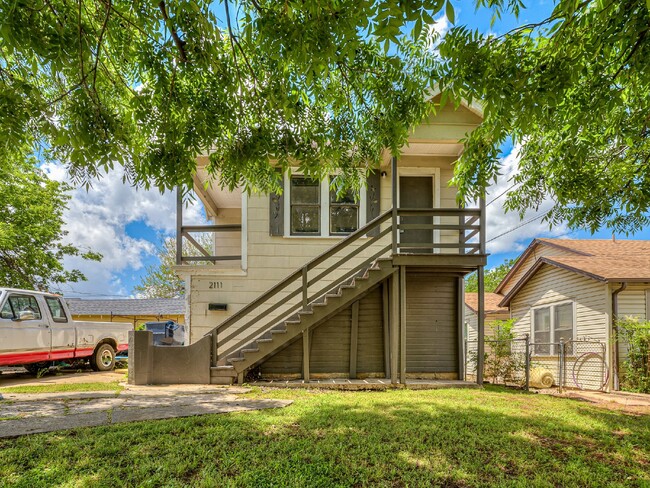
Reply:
x=328, y=85
x=31, y=247
x=160, y=280
x=493, y=277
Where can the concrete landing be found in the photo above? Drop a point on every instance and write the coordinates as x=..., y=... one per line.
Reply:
x=365, y=384
x=23, y=414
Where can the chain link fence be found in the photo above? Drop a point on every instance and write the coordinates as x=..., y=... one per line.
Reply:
x=520, y=363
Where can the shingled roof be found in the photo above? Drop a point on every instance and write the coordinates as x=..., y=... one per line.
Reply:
x=600, y=260
x=491, y=302
x=129, y=306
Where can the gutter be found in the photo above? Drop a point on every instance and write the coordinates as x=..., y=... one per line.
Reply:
x=615, y=333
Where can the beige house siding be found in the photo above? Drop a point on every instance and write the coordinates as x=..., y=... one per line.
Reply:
x=552, y=285
x=471, y=323
x=272, y=258
x=632, y=302
x=433, y=148
x=540, y=251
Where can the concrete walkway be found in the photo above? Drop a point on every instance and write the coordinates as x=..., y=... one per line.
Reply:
x=23, y=414
x=637, y=403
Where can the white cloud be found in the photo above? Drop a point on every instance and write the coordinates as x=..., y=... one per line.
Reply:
x=97, y=219
x=499, y=222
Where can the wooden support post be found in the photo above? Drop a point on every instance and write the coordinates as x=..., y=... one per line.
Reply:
x=305, y=355
x=395, y=204
x=179, y=226
x=354, y=340
x=386, y=322
x=305, y=292
x=402, y=325
x=460, y=313
x=240, y=377
x=394, y=326
x=481, y=326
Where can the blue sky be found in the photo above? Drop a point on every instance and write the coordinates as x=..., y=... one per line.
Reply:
x=126, y=225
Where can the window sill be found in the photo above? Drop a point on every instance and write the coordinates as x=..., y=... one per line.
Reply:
x=319, y=237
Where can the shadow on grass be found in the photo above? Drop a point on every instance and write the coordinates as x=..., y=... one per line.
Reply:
x=396, y=438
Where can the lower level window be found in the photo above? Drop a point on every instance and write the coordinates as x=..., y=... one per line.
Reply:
x=551, y=325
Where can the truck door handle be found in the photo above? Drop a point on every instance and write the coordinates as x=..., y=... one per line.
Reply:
x=45, y=326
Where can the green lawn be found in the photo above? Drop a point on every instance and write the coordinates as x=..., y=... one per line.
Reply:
x=64, y=387
x=393, y=438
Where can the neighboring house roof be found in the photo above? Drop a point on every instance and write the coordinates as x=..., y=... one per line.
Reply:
x=491, y=302
x=130, y=306
x=601, y=260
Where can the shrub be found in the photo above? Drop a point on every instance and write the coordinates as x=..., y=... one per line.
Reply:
x=635, y=369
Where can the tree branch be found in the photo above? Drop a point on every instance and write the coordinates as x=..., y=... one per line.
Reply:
x=180, y=43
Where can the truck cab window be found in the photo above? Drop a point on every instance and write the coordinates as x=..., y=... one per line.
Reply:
x=24, y=303
x=6, y=312
x=56, y=309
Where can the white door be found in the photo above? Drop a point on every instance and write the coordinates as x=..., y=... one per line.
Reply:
x=25, y=335
x=63, y=331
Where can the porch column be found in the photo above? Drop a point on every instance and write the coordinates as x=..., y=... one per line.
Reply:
x=395, y=203
x=394, y=326
x=179, y=226
x=402, y=325
x=481, y=299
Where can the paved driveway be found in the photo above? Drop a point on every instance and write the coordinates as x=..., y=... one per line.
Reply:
x=22, y=414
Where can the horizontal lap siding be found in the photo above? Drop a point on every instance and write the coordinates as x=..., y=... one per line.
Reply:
x=330, y=343
x=370, y=350
x=552, y=285
x=287, y=361
x=431, y=324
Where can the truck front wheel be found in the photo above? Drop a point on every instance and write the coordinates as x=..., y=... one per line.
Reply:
x=103, y=359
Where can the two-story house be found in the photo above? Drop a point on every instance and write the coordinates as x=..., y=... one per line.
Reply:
x=303, y=284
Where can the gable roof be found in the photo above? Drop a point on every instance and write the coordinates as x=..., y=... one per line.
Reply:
x=129, y=306
x=491, y=302
x=597, y=259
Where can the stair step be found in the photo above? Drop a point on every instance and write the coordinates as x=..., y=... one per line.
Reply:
x=223, y=372
x=244, y=351
x=236, y=359
x=292, y=322
x=279, y=331
x=263, y=341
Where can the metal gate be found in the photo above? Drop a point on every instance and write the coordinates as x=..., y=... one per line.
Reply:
x=578, y=364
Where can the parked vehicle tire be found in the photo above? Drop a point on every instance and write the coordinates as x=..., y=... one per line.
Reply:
x=103, y=359
x=36, y=368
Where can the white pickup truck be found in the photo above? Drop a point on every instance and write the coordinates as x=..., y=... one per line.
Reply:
x=36, y=328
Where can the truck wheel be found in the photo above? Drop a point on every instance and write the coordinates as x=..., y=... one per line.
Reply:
x=36, y=368
x=103, y=359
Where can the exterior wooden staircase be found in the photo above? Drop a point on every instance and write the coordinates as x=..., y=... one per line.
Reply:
x=287, y=330
x=333, y=281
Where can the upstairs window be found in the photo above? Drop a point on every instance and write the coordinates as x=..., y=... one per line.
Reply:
x=344, y=213
x=305, y=206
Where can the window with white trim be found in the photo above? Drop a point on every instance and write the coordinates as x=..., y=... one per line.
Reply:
x=313, y=209
x=550, y=325
x=305, y=206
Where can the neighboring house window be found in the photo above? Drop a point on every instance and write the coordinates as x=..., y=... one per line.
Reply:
x=551, y=325
x=305, y=206
x=344, y=213
x=56, y=309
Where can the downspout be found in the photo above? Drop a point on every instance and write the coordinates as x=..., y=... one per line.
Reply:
x=615, y=333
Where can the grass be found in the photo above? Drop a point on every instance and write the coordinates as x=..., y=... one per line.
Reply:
x=63, y=387
x=393, y=438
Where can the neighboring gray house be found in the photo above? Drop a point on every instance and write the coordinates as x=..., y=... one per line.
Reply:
x=134, y=310
x=564, y=289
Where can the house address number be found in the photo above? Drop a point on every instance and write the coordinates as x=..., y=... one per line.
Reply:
x=215, y=285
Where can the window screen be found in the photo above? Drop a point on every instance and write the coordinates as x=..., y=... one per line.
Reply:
x=344, y=213
x=305, y=206
x=563, y=324
x=542, y=330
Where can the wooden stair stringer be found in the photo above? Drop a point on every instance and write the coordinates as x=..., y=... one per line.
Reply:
x=321, y=313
